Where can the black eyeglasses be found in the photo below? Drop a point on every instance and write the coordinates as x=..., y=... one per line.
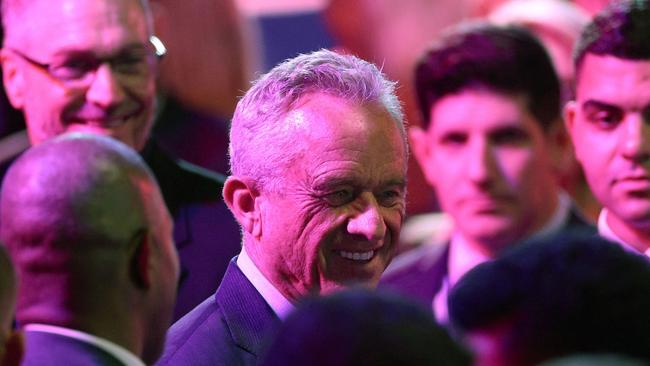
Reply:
x=79, y=71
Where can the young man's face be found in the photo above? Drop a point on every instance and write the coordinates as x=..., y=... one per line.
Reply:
x=609, y=125
x=488, y=159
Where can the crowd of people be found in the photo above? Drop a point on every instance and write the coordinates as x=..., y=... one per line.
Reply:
x=115, y=251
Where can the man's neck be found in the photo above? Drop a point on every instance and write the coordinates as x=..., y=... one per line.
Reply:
x=638, y=238
x=279, y=302
x=466, y=253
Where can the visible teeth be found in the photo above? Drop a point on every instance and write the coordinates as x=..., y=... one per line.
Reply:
x=356, y=256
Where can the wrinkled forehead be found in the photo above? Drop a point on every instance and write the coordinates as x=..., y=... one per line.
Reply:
x=325, y=117
x=77, y=23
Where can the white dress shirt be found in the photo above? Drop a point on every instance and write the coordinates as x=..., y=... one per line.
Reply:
x=463, y=256
x=280, y=305
x=606, y=232
x=122, y=354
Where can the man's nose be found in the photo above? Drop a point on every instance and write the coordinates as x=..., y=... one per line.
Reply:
x=106, y=89
x=369, y=222
x=480, y=163
x=636, y=144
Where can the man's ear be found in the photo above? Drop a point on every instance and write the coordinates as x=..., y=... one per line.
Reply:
x=141, y=259
x=14, y=350
x=242, y=199
x=569, y=114
x=560, y=148
x=13, y=78
x=421, y=150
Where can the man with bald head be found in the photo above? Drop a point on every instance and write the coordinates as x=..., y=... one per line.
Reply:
x=88, y=230
x=90, y=65
x=318, y=159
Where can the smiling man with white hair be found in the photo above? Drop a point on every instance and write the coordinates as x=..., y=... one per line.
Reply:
x=318, y=158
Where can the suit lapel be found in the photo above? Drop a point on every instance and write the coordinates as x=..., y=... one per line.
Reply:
x=248, y=316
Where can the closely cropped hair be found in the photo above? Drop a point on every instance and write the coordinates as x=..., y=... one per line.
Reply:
x=360, y=327
x=621, y=30
x=558, y=296
x=506, y=59
x=260, y=146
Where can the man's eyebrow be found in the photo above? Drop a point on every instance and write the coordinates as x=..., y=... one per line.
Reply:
x=352, y=181
x=74, y=51
x=400, y=182
x=596, y=104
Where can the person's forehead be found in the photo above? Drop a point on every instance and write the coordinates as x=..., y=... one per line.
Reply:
x=480, y=108
x=331, y=129
x=80, y=24
x=608, y=70
x=320, y=115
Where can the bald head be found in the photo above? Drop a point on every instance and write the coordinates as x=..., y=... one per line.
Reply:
x=68, y=210
x=77, y=212
x=74, y=188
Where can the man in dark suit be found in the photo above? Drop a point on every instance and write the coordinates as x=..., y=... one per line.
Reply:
x=490, y=141
x=90, y=65
x=318, y=159
x=608, y=120
x=87, y=228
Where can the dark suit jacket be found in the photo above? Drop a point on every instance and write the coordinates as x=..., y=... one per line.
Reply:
x=46, y=349
x=228, y=328
x=419, y=273
x=205, y=232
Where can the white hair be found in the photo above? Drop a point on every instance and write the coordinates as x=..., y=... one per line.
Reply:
x=259, y=147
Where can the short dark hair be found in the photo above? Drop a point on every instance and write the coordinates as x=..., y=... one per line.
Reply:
x=507, y=59
x=568, y=294
x=363, y=327
x=621, y=30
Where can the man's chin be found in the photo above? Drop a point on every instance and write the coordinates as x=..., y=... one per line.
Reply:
x=493, y=237
x=637, y=217
x=330, y=287
x=119, y=133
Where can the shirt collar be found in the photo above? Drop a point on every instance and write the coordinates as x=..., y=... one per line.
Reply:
x=606, y=232
x=122, y=354
x=463, y=257
x=280, y=305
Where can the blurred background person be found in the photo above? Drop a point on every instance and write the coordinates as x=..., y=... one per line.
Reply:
x=359, y=327
x=66, y=74
x=552, y=298
x=490, y=146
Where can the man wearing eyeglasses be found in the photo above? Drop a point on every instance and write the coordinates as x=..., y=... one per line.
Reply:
x=90, y=66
